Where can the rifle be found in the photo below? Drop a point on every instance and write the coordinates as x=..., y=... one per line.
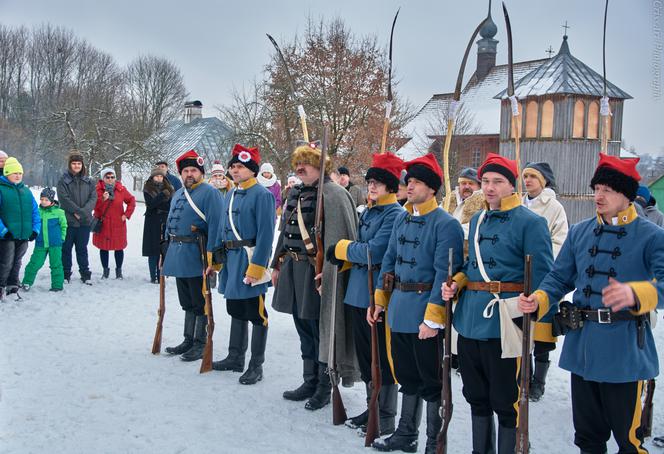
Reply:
x=156, y=342
x=447, y=406
x=646, y=414
x=318, y=226
x=522, y=443
x=338, y=410
x=206, y=364
x=373, y=427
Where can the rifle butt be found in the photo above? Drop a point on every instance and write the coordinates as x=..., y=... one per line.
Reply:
x=338, y=410
x=156, y=343
x=206, y=364
x=373, y=430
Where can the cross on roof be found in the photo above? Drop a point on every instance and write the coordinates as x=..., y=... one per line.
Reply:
x=550, y=51
x=566, y=27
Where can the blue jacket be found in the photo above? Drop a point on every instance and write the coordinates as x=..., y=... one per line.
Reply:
x=506, y=236
x=417, y=253
x=633, y=252
x=376, y=224
x=253, y=217
x=183, y=259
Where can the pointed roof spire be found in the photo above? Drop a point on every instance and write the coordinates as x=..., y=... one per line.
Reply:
x=564, y=47
x=489, y=29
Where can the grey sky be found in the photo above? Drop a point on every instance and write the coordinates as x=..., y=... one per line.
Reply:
x=221, y=44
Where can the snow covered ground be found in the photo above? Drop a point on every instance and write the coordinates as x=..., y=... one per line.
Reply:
x=77, y=376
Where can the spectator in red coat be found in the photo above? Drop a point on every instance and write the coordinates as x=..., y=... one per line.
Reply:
x=115, y=205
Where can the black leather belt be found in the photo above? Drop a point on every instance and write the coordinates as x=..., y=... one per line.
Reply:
x=239, y=244
x=183, y=239
x=604, y=315
x=418, y=287
x=298, y=257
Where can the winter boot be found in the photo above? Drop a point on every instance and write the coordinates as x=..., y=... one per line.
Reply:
x=434, y=423
x=360, y=421
x=68, y=277
x=118, y=273
x=306, y=389
x=387, y=405
x=254, y=373
x=200, y=337
x=189, y=324
x=405, y=437
x=538, y=380
x=2, y=294
x=484, y=435
x=86, y=276
x=323, y=390
x=237, y=347
x=25, y=287
x=506, y=439
x=105, y=272
x=55, y=289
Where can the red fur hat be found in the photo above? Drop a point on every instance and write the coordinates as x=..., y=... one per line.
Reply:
x=190, y=159
x=500, y=164
x=248, y=157
x=386, y=168
x=426, y=169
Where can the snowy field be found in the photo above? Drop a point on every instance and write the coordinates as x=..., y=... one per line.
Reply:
x=77, y=376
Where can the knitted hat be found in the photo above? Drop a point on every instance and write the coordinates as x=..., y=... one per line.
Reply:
x=310, y=154
x=499, y=164
x=468, y=173
x=295, y=180
x=190, y=159
x=644, y=193
x=542, y=171
x=619, y=174
x=158, y=163
x=402, y=177
x=105, y=171
x=248, y=157
x=266, y=167
x=48, y=193
x=12, y=166
x=386, y=168
x=425, y=169
x=343, y=171
x=217, y=168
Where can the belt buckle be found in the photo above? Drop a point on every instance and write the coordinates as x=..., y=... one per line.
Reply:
x=604, y=315
x=494, y=286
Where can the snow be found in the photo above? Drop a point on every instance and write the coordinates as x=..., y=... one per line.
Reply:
x=77, y=376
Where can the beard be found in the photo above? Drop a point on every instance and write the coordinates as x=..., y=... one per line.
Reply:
x=189, y=182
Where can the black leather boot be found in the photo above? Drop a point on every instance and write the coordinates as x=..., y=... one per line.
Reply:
x=254, y=373
x=323, y=391
x=188, y=342
x=405, y=437
x=308, y=388
x=360, y=421
x=387, y=408
x=539, y=380
x=434, y=422
x=237, y=347
x=484, y=435
x=105, y=272
x=118, y=273
x=506, y=439
x=86, y=277
x=200, y=338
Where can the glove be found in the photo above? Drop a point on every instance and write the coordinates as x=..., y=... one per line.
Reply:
x=8, y=235
x=33, y=235
x=331, y=256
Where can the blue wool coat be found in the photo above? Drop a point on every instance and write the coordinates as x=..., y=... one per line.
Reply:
x=418, y=253
x=183, y=259
x=253, y=217
x=506, y=236
x=374, y=233
x=633, y=252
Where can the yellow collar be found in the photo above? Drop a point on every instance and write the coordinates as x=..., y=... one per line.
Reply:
x=247, y=183
x=195, y=185
x=623, y=217
x=507, y=203
x=423, y=208
x=386, y=199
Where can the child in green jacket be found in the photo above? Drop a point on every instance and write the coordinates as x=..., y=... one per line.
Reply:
x=49, y=242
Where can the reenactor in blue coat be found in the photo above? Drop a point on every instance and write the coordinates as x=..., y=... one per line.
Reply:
x=414, y=267
x=196, y=204
x=500, y=236
x=246, y=237
x=374, y=233
x=616, y=263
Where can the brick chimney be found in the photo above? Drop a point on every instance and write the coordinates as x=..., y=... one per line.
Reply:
x=192, y=111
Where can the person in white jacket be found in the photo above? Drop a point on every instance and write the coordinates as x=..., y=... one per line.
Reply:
x=541, y=198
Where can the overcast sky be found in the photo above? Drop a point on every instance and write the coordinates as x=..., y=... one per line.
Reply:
x=221, y=44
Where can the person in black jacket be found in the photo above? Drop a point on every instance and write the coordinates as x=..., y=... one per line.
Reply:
x=157, y=193
x=77, y=195
x=174, y=180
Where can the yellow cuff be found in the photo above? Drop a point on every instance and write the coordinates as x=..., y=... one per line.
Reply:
x=461, y=279
x=382, y=298
x=341, y=249
x=214, y=266
x=435, y=313
x=255, y=271
x=646, y=293
x=543, y=300
x=346, y=266
x=543, y=332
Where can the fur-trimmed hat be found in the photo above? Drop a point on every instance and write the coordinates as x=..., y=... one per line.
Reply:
x=386, y=168
x=248, y=157
x=76, y=156
x=425, y=169
x=190, y=159
x=618, y=174
x=157, y=171
x=499, y=164
x=310, y=154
